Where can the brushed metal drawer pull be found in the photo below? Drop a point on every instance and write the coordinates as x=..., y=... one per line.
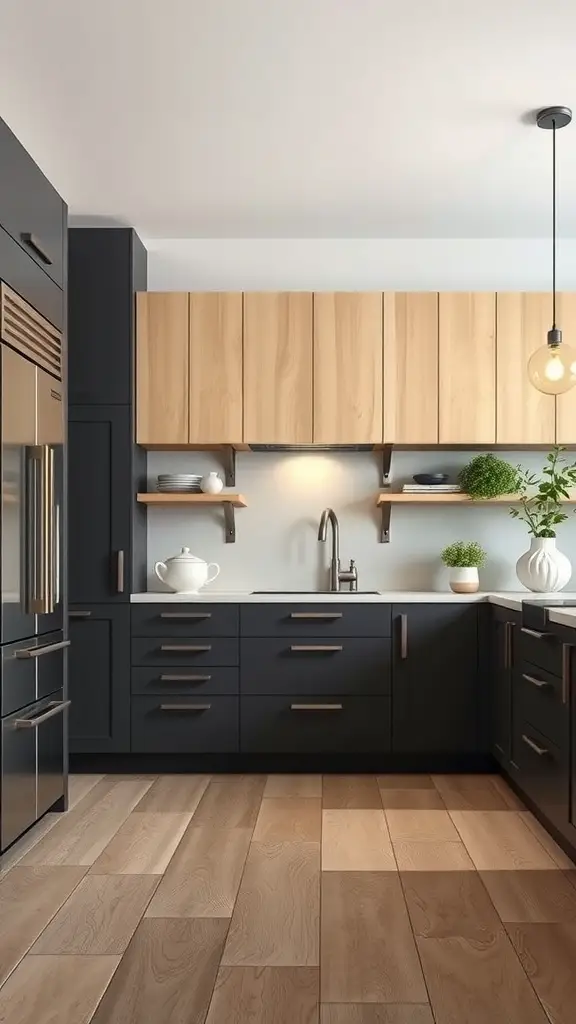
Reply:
x=192, y=648
x=39, y=652
x=54, y=708
x=316, y=707
x=535, y=633
x=566, y=669
x=316, y=615
x=79, y=615
x=317, y=648
x=403, y=637
x=185, y=679
x=35, y=244
x=542, y=684
x=534, y=746
x=185, y=707
x=185, y=615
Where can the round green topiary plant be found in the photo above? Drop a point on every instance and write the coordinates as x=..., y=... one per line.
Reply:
x=463, y=554
x=487, y=476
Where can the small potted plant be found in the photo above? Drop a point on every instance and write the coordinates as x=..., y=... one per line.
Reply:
x=487, y=476
x=464, y=558
x=543, y=568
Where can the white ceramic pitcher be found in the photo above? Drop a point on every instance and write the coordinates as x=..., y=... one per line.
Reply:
x=184, y=573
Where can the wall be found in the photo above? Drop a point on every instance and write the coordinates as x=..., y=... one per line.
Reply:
x=276, y=544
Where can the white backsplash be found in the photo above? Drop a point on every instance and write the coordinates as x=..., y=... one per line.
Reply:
x=276, y=536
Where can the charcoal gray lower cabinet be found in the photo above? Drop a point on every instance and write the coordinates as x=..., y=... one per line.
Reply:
x=505, y=627
x=435, y=679
x=99, y=679
x=303, y=724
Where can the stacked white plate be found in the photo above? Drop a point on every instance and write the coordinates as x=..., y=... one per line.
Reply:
x=179, y=482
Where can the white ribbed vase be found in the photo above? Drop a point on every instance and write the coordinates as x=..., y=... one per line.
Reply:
x=543, y=568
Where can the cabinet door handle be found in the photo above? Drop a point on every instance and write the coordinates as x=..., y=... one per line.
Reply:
x=39, y=652
x=535, y=633
x=185, y=615
x=317, y=648
x=316, y=707
x=192, y=648
x=316, y=615
x=185, y=679
x=542, y=684
x=120, y=572
x=403, y=637
x=54, y=708
x=79, y=615
x=534, y=746
x=566, y=669
x=34, y=243
x=185, y=707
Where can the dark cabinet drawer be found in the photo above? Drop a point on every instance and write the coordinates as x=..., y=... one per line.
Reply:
x=18, y=686
x=325, y=724
x=31, y=211
x=315, y=665
x=542, y=649
x=541, y=699
x=199, y=650
x=184, y=725
x=183, y=620
x=541, y=769
x=333, y=619
x=184, y=680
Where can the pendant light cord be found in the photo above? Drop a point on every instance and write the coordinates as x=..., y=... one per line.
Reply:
x=553, y=225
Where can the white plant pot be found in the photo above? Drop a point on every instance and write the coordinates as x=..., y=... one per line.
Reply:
x=543, y=568
x=211, y=483
x=464, y=580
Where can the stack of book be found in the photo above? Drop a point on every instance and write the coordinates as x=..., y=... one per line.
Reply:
x=426, y=488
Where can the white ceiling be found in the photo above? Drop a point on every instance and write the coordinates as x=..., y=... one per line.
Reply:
x=296, y=118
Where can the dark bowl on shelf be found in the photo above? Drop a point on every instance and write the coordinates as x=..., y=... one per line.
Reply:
x=430, y=478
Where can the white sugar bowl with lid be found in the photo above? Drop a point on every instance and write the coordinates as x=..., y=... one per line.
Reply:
x=184, y=573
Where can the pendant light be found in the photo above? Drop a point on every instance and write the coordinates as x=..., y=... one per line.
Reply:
x=552, y=368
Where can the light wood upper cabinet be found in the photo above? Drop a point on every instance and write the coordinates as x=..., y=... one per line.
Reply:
x=467, y=368
x=162, y=360
x=348, y=367
x=215, y=389
x=411, y=367
x=524, y=415
x=566, y=404
x=278, y=367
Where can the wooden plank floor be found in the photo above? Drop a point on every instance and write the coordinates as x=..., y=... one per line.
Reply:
x=297, y=899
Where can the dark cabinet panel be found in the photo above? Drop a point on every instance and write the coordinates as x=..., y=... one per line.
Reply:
x=185, y=725
x=541, y=698
x=435, y=677
x=334, y=619
x=184, y=620
x=315, y=665
x=504, y=638
x=51, y=755
x=541, y=769
x=106, y=267
x=100, y=504
x=99, y=678
x=542, y=649
x=26, y=278
x=321, y=724
x=31, y=210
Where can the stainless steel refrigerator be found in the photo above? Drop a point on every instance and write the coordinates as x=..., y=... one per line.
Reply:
x=33, y=647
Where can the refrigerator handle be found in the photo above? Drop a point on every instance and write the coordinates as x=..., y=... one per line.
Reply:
x=32, y=521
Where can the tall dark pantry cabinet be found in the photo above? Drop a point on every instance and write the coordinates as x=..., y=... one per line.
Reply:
x=107, y=266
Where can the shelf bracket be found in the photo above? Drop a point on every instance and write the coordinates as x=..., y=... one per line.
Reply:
x=229, y=522
x=386, y=465
x=229, y=460
x=386, y=509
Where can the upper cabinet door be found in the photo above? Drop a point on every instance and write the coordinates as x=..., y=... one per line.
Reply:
x=278, y=368
x=162, y=368
x=467, y=368
x=524, y=415
x=566, y=404
x=348, y=367
x=215, y=368
x=411, y=367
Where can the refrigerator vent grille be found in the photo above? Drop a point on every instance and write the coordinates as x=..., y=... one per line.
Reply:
x=30, y=333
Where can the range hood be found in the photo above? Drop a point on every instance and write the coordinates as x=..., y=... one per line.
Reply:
x=311, y=447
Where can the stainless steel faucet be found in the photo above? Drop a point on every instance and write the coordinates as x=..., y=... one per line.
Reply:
x=337, y=575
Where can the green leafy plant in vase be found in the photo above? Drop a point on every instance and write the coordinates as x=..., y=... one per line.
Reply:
x=464, y=558
x=543, y=568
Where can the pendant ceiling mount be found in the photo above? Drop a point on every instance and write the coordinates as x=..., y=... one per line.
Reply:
x=553, y=117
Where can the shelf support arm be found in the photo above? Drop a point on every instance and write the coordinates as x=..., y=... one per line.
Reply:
x=386, y=465
x=229, y=522
x=386, y=509
x=229, y=460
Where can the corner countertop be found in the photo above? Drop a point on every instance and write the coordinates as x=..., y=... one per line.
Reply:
x=563, y=616
x=507, y=599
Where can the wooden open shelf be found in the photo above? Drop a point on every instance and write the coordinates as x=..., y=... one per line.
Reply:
x=156, y=498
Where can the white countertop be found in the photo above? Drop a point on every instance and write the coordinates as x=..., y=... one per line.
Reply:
x=563, y=616
x=507, y=599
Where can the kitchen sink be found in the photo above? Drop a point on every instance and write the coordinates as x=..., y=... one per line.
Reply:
x=334, y=593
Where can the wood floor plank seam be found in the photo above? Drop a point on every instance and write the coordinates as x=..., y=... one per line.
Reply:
x=414, y=937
